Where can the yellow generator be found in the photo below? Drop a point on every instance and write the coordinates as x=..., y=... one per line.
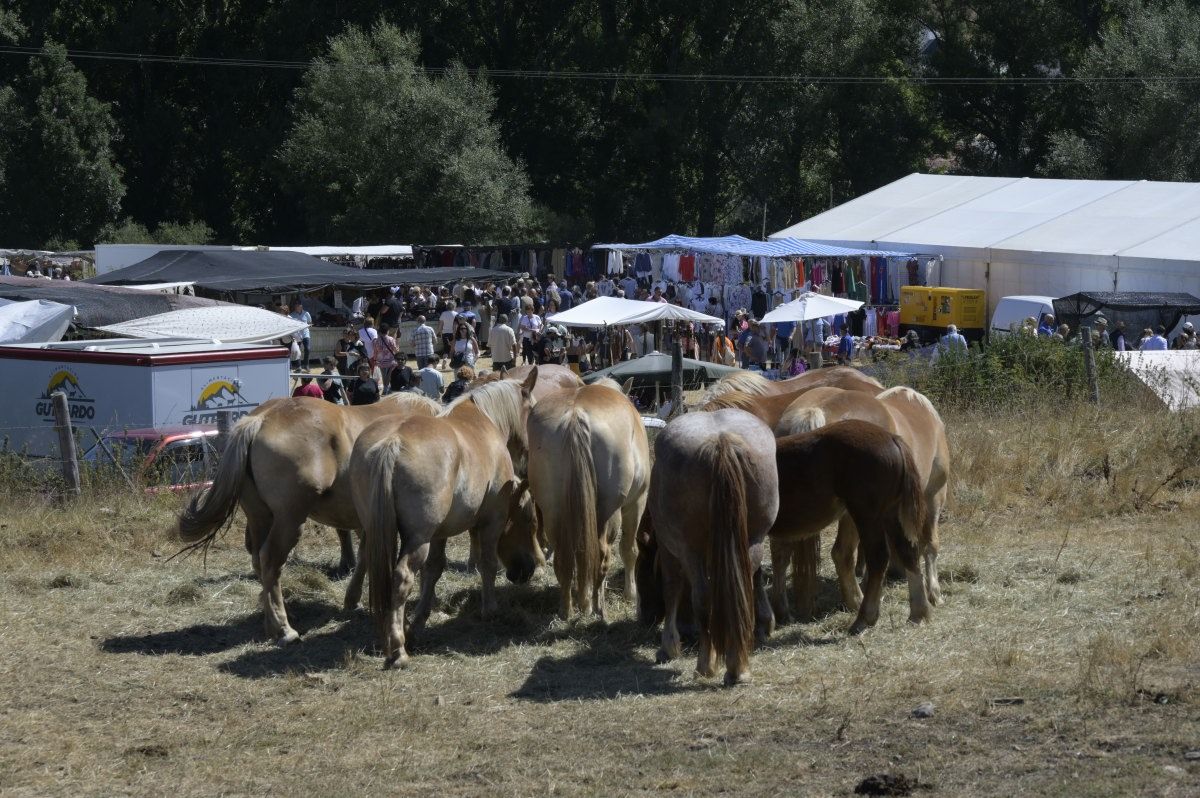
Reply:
x=929, y=310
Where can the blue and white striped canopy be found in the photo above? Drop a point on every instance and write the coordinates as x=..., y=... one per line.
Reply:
x=740, y=245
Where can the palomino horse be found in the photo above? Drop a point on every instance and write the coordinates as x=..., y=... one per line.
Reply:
x=714, y=494
x=551, y=378
x=589, y=469
x=419, y=481
x=912, y=417
x=855, y=468
x=752, y=382
x=284, y=463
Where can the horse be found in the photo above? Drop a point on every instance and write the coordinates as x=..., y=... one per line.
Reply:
x=551, y=378
x=752, y=382
x=714, y=494
x=900, y=410
x=856, y=469
x=286, y=462
x=418, y=481
x=589, y=470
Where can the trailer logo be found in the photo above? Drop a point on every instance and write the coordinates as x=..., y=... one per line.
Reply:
x=220, y=394
x=80, y=405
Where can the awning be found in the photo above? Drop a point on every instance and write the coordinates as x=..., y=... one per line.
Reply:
x=222, y=324
x=33, y=322
x=656, y=368
x=1138, y=309
x=810, y=306
x=740, y=245
x=606, y=311
x=97, y=305
x=274, y=272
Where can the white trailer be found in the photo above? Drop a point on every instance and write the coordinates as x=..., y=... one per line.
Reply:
x=131, y=383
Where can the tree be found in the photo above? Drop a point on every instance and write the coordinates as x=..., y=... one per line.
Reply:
x=379, y=150
x=1148, y=127
x=63, y=183
x=131, y=232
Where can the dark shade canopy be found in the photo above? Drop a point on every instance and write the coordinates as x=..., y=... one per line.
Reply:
x=1138, y=309
x=274, y=272
x=98, y=305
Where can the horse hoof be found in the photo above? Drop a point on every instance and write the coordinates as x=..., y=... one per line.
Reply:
x=918, y=618
x=287, y=638
x=661, y=657
x=396, y=662
x=857, y=628
x=733, y=679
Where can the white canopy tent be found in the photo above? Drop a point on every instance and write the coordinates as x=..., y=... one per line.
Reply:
x=1032, y=236
x=34, y=322
x=222, y=324
x=607, y=311
x=809, y=306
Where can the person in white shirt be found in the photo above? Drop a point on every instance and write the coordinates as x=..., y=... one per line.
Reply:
x=431, y=382
x=530, y=326
x=503, y=343
x=630, y=286
x=953, y=341
x=605, y=287
x=448, y=321
x=368, y=335
x=1156, y=342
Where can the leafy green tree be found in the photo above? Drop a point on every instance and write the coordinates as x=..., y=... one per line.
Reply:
x=1140, y=129
x=380, y=150
x=131, y=232
x=63, y=183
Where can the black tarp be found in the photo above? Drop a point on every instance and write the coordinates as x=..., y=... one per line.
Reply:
x=274, y=272
x=97, y=305
x=1138, y=309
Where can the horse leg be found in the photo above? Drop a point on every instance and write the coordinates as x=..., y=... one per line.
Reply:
x=346, y=562
x=608, y=537
x=489, y=562
x=706, y=661
x=764, y=618
x=273, y=553
x=781, y=555
x=805, y=557
x=875, y=550
x=354, y=589
x=403, y=577
x=844, y=548
x=435, y=564
x=631, y=517
x=672, y=588
x=933, y=589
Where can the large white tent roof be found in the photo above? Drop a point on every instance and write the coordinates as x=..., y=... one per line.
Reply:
x=224, y=323
x=604, y=311
x=1084, y=221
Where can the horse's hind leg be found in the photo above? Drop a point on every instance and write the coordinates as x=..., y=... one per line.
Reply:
x=933, y=589
x=764, y=618
x=844, y=548
x=489, y=562
x=608, y=537
x=781, y=557
x=875, y=551
x=672, y=589
x=631, y=518
x=354, y=589
x=805, y=557
x=435, y=564
x=271, y=556
x=347, y=560
x=403, y=577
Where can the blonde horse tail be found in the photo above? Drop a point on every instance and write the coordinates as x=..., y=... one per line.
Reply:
x=209, y=511
x=380, y=530
x=913, y=510
x=577, y=542
x=800, y=419
x=731, y=602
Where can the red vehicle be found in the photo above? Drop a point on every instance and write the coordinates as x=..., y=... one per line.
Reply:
x=180, y=458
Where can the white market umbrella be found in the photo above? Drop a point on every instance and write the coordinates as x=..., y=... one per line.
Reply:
x=809, y=306
x=227, y=323
x=607, y=311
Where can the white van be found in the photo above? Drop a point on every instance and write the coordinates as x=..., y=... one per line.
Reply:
x=1011, y=311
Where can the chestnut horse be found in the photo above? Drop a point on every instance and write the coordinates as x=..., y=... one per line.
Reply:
x=418, y=481
x=551, y=378
x=589, y=469
x=286, y=462
x=752, y=382
x=856, y=469
x=714, y=494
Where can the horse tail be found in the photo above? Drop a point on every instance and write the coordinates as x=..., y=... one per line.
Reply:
x=209, y=511
x=731, y=602
x=912, y=510
x=577, y=539
x=377, y=514
x=800, y=419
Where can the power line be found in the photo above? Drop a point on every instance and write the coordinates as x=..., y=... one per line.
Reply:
x=661, y=77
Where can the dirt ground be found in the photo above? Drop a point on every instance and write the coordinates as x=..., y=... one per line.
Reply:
x=1064, y=661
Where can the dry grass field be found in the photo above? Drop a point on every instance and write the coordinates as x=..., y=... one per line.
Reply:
x=1065, y=659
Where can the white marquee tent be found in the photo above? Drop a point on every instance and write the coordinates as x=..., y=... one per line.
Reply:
x=1027, y=235
x=606, y=311
x=224, y=323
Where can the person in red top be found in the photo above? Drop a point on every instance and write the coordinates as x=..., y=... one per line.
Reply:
x=308, y=388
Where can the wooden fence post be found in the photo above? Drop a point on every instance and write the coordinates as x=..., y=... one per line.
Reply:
x=676, y=378
x=224, y=425
x=66, y=443
x=1089, y=364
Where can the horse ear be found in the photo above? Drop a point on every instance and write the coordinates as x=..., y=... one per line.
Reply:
x=627, y=387
x=530, y=381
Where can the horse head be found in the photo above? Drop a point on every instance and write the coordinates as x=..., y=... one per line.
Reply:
x=518, y=549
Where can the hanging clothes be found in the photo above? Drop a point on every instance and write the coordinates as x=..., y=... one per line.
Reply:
x=641, y=265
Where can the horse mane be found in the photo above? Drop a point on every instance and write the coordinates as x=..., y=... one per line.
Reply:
x=501, y=402
x=912, y=395
x=798, y=419
x=609, y=382
x=414, y=401
x=741, y=400
x=745, y=381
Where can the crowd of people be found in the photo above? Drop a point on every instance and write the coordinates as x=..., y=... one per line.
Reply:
x=1150, y=340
